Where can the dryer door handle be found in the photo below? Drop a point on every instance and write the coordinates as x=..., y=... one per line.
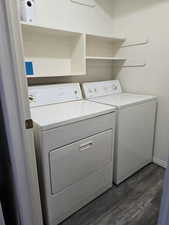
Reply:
x=86, y=145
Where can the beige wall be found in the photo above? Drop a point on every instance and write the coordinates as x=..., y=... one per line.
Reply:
x=69, y=16
x=146, y=19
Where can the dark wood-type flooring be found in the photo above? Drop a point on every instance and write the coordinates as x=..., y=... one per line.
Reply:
x=135, y=202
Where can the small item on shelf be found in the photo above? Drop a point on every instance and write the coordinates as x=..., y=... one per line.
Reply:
x=29, y=68
x=28, y=8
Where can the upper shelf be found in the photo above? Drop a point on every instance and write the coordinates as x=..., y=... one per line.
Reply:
x=29, y=27
x=51, y=30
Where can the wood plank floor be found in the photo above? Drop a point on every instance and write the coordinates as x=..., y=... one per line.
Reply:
x=135, y=202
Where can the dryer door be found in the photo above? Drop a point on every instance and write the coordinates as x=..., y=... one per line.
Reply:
x=71, y=163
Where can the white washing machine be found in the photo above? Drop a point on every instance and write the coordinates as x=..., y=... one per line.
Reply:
x=135, y=129
x=74, y=141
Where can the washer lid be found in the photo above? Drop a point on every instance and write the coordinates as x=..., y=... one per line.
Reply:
x=52, y=116
x=123, y=99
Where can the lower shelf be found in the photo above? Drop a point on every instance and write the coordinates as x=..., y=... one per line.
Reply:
x=58, y=75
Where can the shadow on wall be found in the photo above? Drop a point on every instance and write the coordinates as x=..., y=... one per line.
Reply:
x=119, y=8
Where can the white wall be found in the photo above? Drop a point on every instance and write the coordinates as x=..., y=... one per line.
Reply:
x=69, y=16
x=134, y=19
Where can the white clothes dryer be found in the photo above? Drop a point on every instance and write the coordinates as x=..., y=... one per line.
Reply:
x=74, y=141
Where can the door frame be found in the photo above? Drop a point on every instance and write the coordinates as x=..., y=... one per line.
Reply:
x=15, y=107
x=2, y=222
x=164, y=210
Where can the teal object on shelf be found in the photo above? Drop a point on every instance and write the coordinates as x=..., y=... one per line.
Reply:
x=29, y=68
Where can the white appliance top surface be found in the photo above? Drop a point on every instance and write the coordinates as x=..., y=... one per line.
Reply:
x=51, y=116
x=123, y=99
x=56, y=105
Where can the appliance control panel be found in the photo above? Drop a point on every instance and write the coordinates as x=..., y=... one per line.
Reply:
x=102, y=88
x=53, y=94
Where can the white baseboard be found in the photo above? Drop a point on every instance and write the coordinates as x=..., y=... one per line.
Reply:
x=160, y=162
